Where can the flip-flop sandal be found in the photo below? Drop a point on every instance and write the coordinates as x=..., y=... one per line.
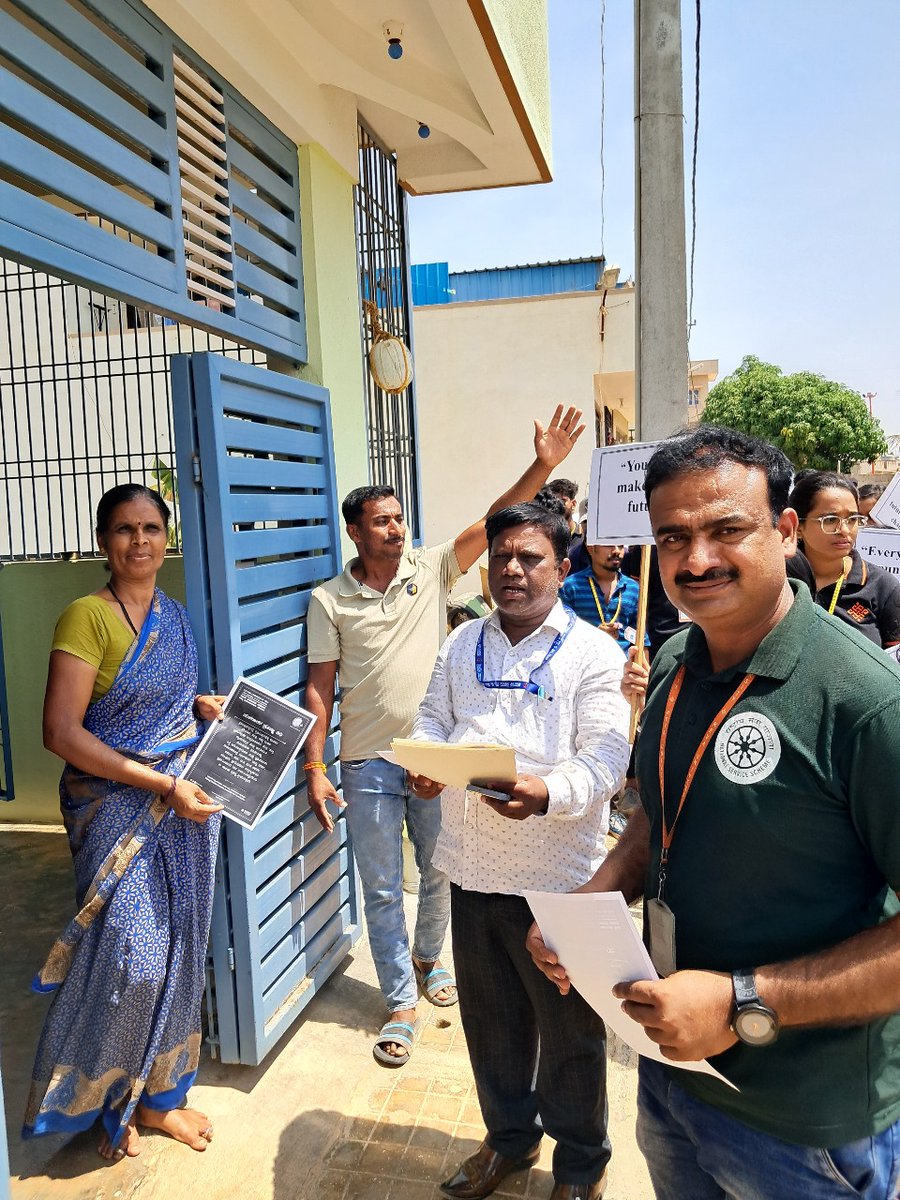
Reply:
x=400, y=1033
x=434, y=982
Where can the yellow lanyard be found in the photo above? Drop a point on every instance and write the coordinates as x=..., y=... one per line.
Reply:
x=612, y=619
x=835, y=595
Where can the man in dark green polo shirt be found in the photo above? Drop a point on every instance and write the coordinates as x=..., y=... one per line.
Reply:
x=768, y=853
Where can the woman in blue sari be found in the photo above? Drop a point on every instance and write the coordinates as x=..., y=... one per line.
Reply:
x=121, y=1041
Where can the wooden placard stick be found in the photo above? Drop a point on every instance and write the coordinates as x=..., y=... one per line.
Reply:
x=640, y=651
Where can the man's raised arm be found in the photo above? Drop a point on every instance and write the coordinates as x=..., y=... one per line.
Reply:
x=551, y=447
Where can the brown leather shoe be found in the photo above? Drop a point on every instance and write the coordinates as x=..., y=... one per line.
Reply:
x=579, y=1191
x=484, y=1171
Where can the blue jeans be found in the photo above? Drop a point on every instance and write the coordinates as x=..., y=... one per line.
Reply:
x=378, y=802
x=696, y=1152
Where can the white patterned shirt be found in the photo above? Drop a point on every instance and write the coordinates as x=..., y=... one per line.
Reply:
x=577, y=742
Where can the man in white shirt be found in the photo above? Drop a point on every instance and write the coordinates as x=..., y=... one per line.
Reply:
x=374, y=631
x=535, y=677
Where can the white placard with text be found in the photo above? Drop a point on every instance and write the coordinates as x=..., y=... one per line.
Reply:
x=617, y=510
x=880, y=547
x=886, y=509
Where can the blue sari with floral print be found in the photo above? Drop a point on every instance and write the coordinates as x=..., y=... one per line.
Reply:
x=128, y=971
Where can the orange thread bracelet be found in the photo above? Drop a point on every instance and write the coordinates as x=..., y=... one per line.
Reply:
x=315, y=766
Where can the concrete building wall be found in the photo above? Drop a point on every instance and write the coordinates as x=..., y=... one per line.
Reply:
x=484, y=372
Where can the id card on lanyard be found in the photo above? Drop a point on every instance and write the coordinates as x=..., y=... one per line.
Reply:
x=660, y=918
x=531, y=686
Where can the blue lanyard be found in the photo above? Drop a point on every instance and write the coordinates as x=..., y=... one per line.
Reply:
x=519, y=684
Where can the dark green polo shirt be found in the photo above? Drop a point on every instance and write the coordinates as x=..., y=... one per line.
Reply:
x=789, y=842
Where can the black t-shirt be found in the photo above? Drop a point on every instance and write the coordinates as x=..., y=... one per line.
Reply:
x=662, y=615
x=869, y=599
x=578, y=557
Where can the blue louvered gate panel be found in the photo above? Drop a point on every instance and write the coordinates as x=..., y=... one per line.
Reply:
x=260, y=530
x=129, y=166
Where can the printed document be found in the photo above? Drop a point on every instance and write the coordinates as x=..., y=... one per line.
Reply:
x=597, y=941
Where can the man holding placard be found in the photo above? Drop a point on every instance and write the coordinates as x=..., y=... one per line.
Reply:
x=377, y=628
x=535, y=678
x=767, y=852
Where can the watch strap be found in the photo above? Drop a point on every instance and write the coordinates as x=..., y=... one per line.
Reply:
x=744, y=983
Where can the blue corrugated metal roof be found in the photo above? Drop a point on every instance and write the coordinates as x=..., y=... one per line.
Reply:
x=431, y=283
x=434, y=283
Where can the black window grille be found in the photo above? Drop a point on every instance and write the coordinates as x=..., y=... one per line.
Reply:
x=85, y=403
x=105, y=110
x=383, y=251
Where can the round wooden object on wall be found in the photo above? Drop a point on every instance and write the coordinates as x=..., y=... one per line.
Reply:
x=391, y=364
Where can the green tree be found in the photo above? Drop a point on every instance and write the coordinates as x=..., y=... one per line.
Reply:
x=816, y=422
x=167, y=486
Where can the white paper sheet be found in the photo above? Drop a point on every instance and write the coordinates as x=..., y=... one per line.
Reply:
x=455, y=764
x=598, y=943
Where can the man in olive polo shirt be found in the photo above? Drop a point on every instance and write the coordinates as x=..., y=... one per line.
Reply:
x=768, y=853
x=376, y=629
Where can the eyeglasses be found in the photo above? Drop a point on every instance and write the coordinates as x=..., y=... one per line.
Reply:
x=832, y=523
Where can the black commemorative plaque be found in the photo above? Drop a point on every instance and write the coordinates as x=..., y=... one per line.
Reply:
x=242, y=759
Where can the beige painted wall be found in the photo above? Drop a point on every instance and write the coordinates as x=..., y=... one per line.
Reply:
x=484, y=371
x=521, y=29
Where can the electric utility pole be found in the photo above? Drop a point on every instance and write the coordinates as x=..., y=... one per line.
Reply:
x=661, y=353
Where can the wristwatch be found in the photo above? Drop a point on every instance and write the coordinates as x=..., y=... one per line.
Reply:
x=754, y=1022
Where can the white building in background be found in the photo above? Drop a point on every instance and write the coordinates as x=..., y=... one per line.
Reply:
x=493, y=349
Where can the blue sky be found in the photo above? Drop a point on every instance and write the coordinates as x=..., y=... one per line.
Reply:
x=798, y=191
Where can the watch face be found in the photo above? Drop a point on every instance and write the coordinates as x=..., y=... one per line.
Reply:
x=756, y=1025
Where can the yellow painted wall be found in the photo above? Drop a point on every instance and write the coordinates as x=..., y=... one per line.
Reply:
x=32, y=595
x=331, y=285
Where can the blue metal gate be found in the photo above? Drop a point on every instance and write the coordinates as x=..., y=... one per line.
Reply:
x=259, y=531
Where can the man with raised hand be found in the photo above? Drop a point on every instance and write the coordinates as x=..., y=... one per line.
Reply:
x=377, y=628
x=534, y=677
x=768, y=854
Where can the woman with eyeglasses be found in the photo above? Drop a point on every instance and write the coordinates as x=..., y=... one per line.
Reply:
x=865, y=596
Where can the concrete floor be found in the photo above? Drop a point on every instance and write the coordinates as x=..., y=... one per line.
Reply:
x=320, y=1120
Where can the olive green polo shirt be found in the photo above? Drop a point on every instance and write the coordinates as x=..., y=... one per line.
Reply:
x=384, y=644
x=788, y=842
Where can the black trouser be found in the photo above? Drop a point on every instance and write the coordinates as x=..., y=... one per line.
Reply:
x=508, y=1009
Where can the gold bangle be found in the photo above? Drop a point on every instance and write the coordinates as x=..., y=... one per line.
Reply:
x=315, y=766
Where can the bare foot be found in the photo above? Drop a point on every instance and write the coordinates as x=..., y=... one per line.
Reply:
x=183, y=1124
x=445, y=993
x=130, y=1145
x=396, y=1049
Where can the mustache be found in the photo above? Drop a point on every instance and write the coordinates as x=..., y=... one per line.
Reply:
x=710, y=576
